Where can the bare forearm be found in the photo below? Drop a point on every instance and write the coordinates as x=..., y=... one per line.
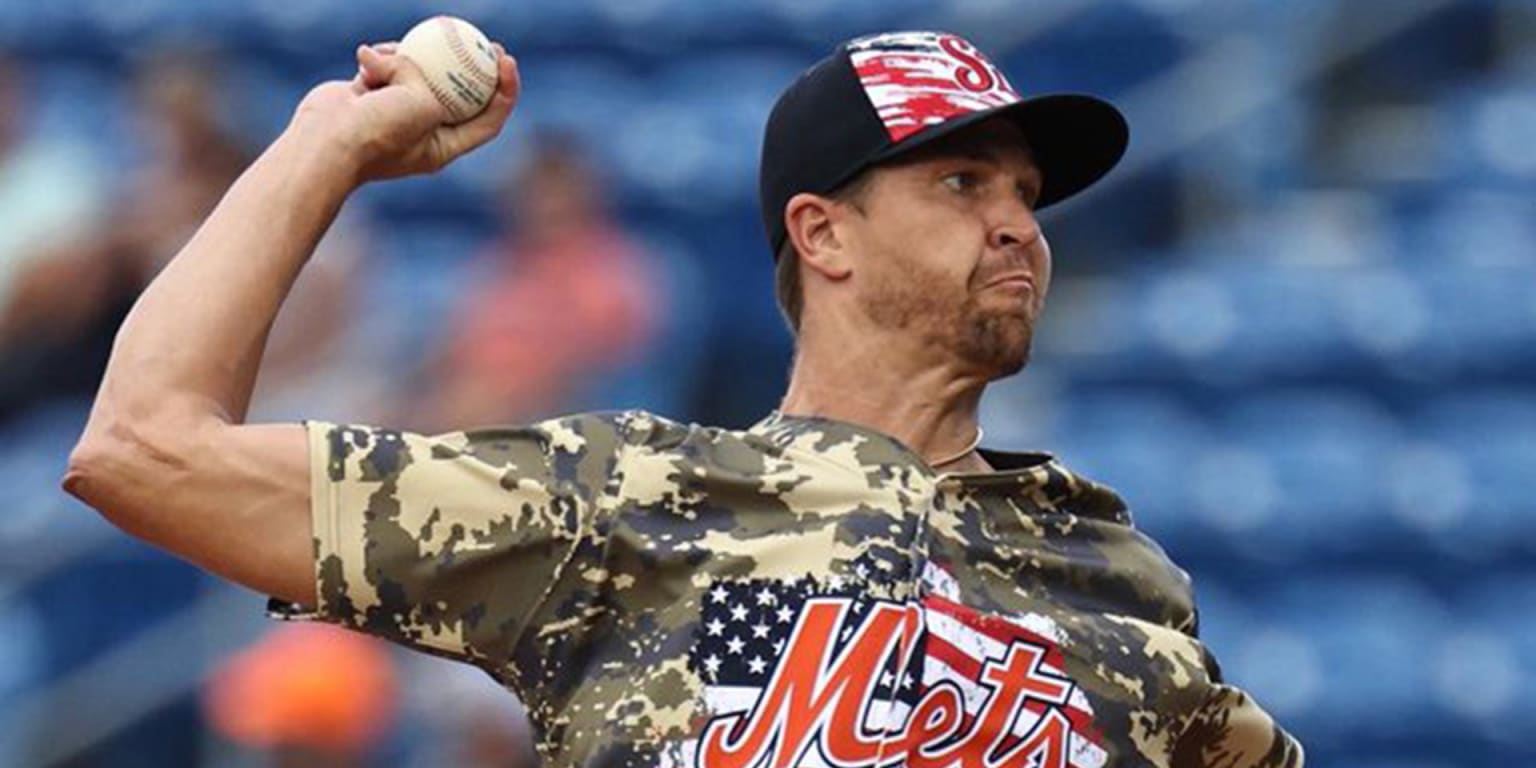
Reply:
x=165, y=456
x=192, y=343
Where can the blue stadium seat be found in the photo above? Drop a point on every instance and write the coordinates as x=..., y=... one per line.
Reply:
x=1100, y=48
x=1321, y=453
x=1192, y=315
x=1236, y=322
x=22, y=657
x=1371, y=639
x=660, y=27
x=825, y=24
x=1483, y=324
x=695, y=140
x=1472, y=227
x=1497, y=118
x=259, y=99
x=1495, y=664
x=109, y=596
x=1493, y=433
x=1288, y=326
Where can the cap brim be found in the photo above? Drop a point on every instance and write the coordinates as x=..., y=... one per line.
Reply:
x=1075, y=139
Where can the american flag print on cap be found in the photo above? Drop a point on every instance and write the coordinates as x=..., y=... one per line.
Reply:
x=918, y=79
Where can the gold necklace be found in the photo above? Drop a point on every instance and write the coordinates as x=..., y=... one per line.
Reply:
x=962, y=454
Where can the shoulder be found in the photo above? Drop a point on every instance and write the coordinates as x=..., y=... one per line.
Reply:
x=1064, y=489
x=662, y=447
x=645, y=429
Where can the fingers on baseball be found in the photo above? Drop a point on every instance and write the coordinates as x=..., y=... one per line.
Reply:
x=378, y=65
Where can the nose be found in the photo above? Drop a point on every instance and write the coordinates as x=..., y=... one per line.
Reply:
x=1015, y=227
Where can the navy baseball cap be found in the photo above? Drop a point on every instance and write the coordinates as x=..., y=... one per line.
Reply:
x=880, y=96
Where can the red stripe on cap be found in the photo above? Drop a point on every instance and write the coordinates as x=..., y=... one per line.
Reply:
x=918, y=79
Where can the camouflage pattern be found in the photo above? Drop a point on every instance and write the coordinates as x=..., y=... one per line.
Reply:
x=1025, y=621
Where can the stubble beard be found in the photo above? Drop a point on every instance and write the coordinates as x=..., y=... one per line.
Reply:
x=995, y=340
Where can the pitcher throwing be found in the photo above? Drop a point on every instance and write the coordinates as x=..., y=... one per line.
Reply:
x=852, y=581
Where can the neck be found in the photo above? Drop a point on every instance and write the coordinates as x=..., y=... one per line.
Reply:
x=927, y=405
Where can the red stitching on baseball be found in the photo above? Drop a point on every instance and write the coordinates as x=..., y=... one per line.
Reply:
x=447, y=100
x=461, y=52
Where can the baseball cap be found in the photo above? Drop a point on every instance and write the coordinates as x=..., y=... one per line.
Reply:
x=880, y=96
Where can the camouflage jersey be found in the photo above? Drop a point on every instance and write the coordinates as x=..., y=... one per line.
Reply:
x=806, y=592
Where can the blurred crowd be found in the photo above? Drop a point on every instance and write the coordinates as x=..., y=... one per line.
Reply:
x=557, y=297
x=1297, y=329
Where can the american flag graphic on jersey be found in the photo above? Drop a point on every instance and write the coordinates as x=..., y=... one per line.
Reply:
x=808, y=674
x=918, y=79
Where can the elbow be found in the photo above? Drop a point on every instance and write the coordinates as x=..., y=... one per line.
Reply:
x=116, y=469
x=88, y=474
x=108, y=476
x=74, y=481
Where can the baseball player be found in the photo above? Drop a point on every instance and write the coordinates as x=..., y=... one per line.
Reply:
x=852, y=581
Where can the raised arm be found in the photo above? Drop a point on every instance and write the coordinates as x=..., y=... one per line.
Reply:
x=166, y=455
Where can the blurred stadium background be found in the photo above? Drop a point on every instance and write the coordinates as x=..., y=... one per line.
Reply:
x=1297, y=329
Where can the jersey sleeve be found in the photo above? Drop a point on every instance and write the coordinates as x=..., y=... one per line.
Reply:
x=1232, y=730
x=449, y=543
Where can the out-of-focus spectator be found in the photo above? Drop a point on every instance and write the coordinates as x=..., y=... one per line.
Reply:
x=310, y=694
x=57, y=329
x=563, y=300
x=67, y=305
x=49, y=186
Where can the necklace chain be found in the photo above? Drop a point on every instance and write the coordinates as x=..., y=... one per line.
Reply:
x=962, y=454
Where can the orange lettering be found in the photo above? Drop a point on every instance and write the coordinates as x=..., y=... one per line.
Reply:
x=804, y=691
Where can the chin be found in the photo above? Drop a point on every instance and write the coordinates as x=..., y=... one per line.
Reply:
x=1000, y=344
x=1012, y=364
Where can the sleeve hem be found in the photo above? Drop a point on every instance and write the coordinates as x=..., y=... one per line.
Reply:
x=322, y=510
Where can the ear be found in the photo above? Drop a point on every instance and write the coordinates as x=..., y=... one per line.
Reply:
x=808, y=219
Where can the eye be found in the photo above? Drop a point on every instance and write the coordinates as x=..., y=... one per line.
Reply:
x=960, y=181
x=1030, y=194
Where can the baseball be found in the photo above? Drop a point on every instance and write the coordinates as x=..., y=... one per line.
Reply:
x=458, y=62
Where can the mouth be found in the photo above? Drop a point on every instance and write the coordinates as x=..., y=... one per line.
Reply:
x=1019, y=283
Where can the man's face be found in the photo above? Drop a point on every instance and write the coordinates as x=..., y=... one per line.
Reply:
x=948, y=249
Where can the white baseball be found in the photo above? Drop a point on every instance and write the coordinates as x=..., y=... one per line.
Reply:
x=458, y=62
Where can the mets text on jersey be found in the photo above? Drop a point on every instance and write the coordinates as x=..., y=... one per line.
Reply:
x=855, y=681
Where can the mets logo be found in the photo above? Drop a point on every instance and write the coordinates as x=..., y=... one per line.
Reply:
x=795, y=679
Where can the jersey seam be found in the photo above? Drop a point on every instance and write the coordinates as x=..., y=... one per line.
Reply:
x=586, y=516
